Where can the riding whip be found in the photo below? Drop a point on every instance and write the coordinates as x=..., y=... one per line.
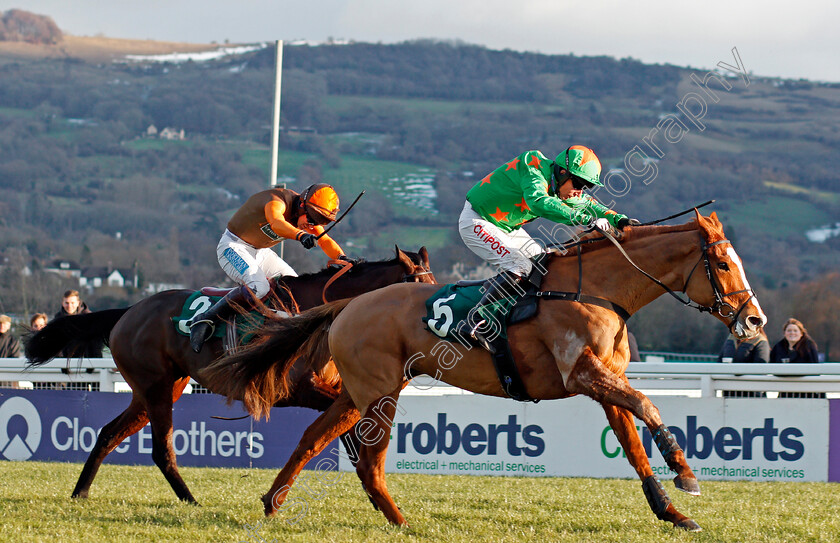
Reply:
x=680, y=214
x=346, y=211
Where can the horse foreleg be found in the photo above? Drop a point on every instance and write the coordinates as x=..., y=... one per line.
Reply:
x=127, y=423
x=592, y=378
x=163, y=454
x=622, y=423
x=374, y=431
x=336, y=420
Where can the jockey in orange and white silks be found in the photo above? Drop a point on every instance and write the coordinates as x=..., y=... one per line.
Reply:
x=267, y=218
x=244, y=251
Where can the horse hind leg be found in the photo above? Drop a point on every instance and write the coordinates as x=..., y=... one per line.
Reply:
x=127, y=423
x=336, y=420
x=374, y=431
x=622, y=423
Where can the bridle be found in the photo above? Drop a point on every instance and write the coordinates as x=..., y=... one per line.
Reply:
x=719, y=303
x=407, y=276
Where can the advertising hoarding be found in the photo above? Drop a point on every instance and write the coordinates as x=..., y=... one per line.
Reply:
x=723, y=439
x=63, y=426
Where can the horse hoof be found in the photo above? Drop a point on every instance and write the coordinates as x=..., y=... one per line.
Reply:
x=268, y=506
x=689, y=486
x=80, y=495
x=689, y=525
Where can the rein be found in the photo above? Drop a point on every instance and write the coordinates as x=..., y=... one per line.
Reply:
x=346, y=266
x=566, y=245
x=719, y=303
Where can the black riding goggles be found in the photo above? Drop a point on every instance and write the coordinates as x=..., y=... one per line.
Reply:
x=316, y=218
x=579, y=183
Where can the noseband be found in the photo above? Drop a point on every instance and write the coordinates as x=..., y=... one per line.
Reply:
x=719, y=304
x=407, y=276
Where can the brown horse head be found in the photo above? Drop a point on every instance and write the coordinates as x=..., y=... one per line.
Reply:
x=726, y=290
x=416, y=266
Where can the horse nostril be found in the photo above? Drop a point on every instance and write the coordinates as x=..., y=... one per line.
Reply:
x=754, y=321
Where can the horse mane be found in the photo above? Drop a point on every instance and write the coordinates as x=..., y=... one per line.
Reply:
x=627, y=236
x=358, y=268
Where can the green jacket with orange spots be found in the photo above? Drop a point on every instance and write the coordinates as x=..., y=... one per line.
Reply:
x=518, y=192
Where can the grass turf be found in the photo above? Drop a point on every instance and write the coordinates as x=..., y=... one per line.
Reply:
x=134, y=503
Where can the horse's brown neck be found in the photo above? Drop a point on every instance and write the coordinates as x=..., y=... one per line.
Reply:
x=307, y=289
x=668, y=256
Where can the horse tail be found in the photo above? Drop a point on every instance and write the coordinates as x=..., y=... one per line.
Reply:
x=70, y=332
x=258, y=374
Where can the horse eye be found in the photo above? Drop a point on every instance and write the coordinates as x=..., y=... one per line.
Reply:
x=723, y=266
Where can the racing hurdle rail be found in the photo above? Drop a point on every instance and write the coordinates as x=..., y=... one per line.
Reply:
x=697, y=379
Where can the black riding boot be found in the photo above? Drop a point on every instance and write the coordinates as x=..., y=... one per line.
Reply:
x=202, y=325
x=504, y=285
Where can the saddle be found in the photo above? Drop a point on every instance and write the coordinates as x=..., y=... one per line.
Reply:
x=452, y=303
x=233, y=334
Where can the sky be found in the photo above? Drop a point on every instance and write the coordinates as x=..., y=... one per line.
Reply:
x=773, y=37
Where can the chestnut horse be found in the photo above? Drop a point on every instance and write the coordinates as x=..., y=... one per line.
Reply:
x=157, y=361
x=569, y=348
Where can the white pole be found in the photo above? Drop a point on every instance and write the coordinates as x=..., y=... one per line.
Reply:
x=275, y=126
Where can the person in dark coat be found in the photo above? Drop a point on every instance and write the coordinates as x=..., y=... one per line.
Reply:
x=71, y=304
x=796, y=347
x=9, y=344
x=755, y=350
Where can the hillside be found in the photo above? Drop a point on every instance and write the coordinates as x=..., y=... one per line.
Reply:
x=414, y=123
x=94, y=49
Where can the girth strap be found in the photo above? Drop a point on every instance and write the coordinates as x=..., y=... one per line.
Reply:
x=507, y=371
x=585, y=299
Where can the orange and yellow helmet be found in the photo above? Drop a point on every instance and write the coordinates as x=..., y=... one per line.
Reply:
x=320, y=203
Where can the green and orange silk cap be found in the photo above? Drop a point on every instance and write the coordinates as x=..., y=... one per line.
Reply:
x=581, y=162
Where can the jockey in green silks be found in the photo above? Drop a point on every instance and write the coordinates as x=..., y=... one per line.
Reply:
x=526, y=188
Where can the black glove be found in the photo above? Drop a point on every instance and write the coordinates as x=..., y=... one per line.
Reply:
x=307, y=240
x=353, y=261
x=627, y=222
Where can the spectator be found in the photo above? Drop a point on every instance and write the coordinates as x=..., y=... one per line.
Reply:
x=755, y=350
x=37, y=321
x=9, y=344
x=796, y=347
x=71, y=304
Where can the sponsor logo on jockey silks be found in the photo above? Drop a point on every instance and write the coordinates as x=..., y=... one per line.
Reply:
x=474, y=439
x=20, y=429
x=270, y=234
x=489, y=240
x=235, y=260
x=727, y=443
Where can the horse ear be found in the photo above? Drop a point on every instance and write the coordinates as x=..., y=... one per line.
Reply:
x=405, y=260
x=424, y=255
x=397, y=250
x=700, y=218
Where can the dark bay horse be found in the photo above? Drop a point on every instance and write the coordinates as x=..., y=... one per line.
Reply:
x=157, y=362
x=569, y=348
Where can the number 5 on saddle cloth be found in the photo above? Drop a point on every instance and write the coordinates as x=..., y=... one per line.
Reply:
x=454, y=303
